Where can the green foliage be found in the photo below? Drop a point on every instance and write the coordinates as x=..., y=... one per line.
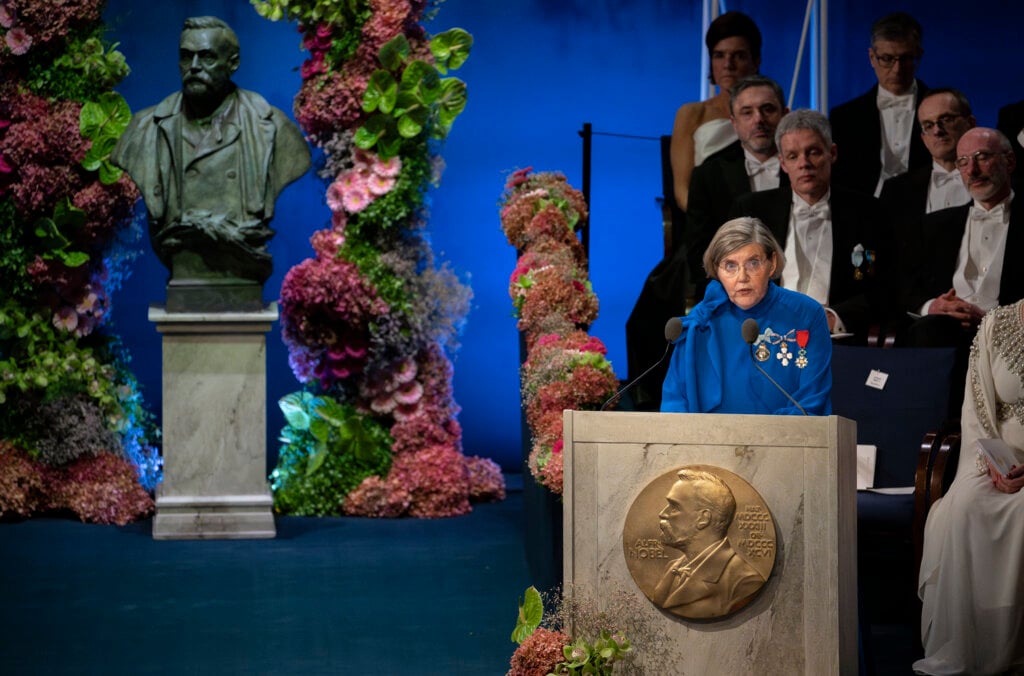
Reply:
x=408, y=97
x=103, y=121
x=55, y=234
x=88, y=67
x=14, y=254
x=341, y=13
x=328, y=448
x=39, y=362
x=531, y=612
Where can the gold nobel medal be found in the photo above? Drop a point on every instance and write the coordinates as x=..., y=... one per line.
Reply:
x=699, y=542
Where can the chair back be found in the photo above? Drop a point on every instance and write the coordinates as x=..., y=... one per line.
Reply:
x=912, y=402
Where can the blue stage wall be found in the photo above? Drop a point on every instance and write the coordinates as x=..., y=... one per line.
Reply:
x=539, y=69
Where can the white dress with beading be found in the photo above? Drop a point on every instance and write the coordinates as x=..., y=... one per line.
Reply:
x=971, y=582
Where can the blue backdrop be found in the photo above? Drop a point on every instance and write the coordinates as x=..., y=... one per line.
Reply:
x=539, y=70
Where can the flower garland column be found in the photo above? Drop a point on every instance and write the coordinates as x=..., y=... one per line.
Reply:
x=370, y=319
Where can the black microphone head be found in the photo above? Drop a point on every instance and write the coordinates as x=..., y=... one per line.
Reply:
x=750, y=330
x=673, y=329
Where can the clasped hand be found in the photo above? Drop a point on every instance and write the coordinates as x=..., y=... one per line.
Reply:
x=1012, y=482
x=968, y=314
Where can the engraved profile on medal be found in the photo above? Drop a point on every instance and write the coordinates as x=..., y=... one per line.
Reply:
x=700, y=542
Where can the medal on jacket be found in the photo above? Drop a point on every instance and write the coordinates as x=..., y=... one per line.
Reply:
x=857, y=258
x=762, y=353
x=801, y=340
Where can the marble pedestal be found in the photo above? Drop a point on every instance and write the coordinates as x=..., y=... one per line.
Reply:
x=214, y=426
x=804, y=620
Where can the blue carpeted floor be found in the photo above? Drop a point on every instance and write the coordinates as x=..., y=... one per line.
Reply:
x=327, y=596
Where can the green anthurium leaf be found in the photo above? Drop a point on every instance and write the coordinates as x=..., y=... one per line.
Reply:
x=320, y=429
x=389, y=148
x=381, y=92
x=411, y=124
x=331, y=412
x=73, y=259
x=422, y=80
x=109, y=174
x=451, y=48
x=451, y=104
x=46, y=230
x=531, y=612
x=68, y=216
x=368, y=135
x=293, y=406
x=394, y=52
x=108, y=116
x=316, y=459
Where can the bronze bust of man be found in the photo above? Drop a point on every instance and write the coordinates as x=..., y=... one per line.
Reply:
x=210, y=162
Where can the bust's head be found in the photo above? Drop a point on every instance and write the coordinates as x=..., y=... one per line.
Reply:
x=208, y=55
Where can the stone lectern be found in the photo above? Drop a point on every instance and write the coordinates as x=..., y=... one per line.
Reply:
x=804, y=618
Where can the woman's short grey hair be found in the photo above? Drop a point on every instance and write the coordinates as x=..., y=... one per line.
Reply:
x=804, y=118
x=736, y=234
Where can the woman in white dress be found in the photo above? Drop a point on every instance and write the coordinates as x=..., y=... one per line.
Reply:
x=972, y=576
x=703, y=128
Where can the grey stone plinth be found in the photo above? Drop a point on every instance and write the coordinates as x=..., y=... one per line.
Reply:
x=804, y=620
x=214, y=426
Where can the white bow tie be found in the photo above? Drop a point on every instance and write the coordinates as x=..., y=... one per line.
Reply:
x=818, y=210
x=980, y=216
x=890, y=101
x=941, y=178
x=770, y=166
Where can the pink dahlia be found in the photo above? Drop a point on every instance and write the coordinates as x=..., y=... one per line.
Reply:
x=18, y=40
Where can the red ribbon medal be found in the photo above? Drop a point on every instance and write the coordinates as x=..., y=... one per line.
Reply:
x=802, y=336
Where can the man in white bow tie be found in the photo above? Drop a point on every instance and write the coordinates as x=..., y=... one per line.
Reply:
x=748, y=165
x=966, y=265
x=962, y=272
x=877, y=131
x=944, y=116
x=835, y=250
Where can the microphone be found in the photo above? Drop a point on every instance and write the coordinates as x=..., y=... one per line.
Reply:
x=751, y=331
x=673, y=329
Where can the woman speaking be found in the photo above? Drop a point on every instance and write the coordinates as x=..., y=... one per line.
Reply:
x=720, y=354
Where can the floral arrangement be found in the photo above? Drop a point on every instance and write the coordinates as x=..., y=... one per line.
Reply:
x=72, y=421
x=565, y=368
x=370, y=320
x=599, y=643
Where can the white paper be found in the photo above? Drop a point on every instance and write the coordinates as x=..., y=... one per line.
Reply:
x=999, y=453
x=866, y=454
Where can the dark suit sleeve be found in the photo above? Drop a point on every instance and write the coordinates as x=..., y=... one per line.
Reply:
x=700, y=226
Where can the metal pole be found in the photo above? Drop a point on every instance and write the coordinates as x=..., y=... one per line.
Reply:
x=588, y=141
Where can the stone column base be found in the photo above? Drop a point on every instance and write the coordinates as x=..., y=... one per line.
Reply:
x=214, y=426
x=228, y=517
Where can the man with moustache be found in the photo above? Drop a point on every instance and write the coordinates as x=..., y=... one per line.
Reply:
x=877, y=131
x=210, y=161
x=963, y=272
x=750, y=164
x=710, y=579
x=831, y=236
